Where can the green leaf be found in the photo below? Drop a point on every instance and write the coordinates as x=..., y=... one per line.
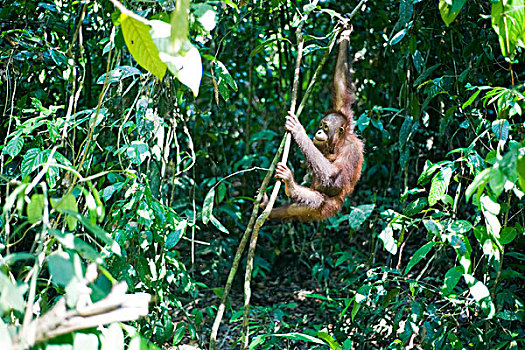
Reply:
x=207, y=206
x=419, y=255
x=14, y=146
x=471, y=99
x=85, y=341
x=141, y=46
x=112, y=338
x=224, y=79
x=35, y=208
x=218, y=224
x=398, y=37
x=452, y=278
x=175, y=236
x=520, y=167
x=507, y=235
x=415, y=206
x=61, y=268
x=206, y=16
x=460, y=227
x=359, y=214
x=429, y=169
x=500, y=128
x=28, y=162
x=97, y=231
x=449, y=13
x=508, y=20
x=439, y=185
x=179, y=333
x=478, y=290
x=389, y=242
x=179, y=25
x=406, y=10
x=11, y=294
x=137, y=152
x=405, y=131
x=331, y=341
x=67, y=203
x=432, y=226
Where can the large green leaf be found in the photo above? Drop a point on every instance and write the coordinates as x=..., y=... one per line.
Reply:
x=508, y=20
x=68, y=202
x=14, y=146
x=35, y=208
x=359, y=215
x=141, y=46
x=452, y=278
x=70, y=241
x=449, y=13
x=420, y=254
x=224, y=79
x=439, y=185
x=520, y=167
x=389, y=242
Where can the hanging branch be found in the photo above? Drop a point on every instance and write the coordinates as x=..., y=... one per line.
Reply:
x=262, y=218
x=255, y=225
x=258, y=200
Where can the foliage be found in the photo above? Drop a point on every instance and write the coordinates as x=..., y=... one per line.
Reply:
x=134, y=136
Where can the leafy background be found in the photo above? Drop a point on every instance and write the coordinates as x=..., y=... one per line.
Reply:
x=133, y=146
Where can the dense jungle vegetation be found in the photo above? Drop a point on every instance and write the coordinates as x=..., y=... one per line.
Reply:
x=136, y=135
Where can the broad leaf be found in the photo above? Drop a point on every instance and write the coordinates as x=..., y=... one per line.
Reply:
x=449, y=13
x=35, y=208
x=14, y=146
x=452, y=278
x=439, y=185
x=508, y=20
x=389, y=242
x=419, y=255
x=359, y=215
x=141, y=46
x=67, y=203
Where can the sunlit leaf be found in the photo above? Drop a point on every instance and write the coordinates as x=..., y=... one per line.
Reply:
x=359, y=214
x=11, y=294
x=415, y=206
x=398, y=37
x=28, y=161
x=215, y=222
x=141, y=46
x=14, y=146
x=207, y=206
x=439, y=185
x=500, y=128
x=70, y=241
x=507, y=235
x=179, y=26
x=112, y=338
x=508, y=20
x=389, y=242
x=182, y=59
x=452, y=278
x=35, y=208
x=449, y=13
x=419, y=255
